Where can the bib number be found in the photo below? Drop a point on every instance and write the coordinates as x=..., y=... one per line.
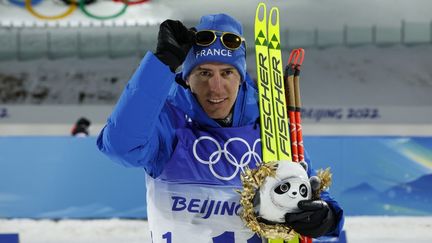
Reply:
x=225, y=237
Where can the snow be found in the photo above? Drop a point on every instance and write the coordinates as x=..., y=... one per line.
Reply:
x=389, y=229
x=77, y=231
x=358, y=229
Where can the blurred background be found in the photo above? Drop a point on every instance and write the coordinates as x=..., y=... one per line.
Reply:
x=366, y=87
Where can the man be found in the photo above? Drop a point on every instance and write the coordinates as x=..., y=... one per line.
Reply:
x=81, y=127
x=194, y=137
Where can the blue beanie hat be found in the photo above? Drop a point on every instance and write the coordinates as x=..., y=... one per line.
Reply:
x=217, y=52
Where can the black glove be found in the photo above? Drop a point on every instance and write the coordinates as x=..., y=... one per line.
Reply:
x=316, y=219
x=174, y=42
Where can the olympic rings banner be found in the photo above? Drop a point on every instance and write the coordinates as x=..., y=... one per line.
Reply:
x=67, y=177
x=60, y=9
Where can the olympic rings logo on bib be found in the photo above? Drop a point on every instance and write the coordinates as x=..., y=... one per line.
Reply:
x=238, y=162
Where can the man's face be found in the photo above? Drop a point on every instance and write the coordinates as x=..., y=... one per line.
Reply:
x=215, y=85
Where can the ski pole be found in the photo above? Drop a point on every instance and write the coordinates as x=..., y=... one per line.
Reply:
x=298, y=105
x=292, y=81
x=300, y=148
x=289, y=84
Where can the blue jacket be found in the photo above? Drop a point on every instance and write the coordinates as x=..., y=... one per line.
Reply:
x=141, y=130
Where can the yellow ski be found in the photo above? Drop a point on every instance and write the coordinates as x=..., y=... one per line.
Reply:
x=275, y=136
x=267, y=121
x=283, y=141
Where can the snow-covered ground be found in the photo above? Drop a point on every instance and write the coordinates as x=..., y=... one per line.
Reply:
x=358, y=229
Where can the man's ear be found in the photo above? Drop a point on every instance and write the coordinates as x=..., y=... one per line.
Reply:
x=179, y=80
x=187, y=85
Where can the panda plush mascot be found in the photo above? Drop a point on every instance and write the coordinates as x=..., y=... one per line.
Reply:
x=280, y=194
